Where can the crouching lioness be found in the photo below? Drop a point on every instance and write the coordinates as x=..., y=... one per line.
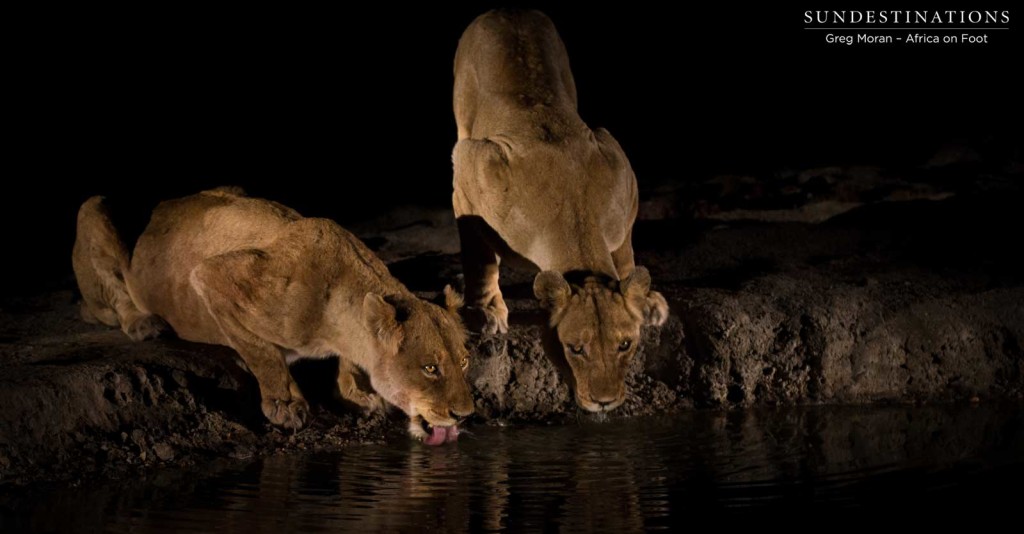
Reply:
x=533, y=182
x=256, y=276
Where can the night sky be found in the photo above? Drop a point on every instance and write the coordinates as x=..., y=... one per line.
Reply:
x=147, y=105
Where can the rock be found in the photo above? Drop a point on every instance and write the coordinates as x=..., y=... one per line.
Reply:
x=814, y=212
x=139, y=438
x=953, y=154
x=410, y=232
x=164, y=451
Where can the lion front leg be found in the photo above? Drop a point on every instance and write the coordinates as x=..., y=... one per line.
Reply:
x=216, y=281
x=480, y=269
x=282, y=401
x=348, y=387
x=623, y=257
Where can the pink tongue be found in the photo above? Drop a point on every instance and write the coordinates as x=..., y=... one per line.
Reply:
x=441, y=434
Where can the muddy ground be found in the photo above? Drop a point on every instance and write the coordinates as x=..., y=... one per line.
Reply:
x=834, y=285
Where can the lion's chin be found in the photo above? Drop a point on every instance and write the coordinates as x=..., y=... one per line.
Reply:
x=594, y=407
x=429, y=434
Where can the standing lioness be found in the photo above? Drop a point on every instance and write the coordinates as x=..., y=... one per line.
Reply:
x=533, y=182
x=256, y=276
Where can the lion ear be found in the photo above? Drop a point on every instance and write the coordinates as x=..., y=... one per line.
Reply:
x=379, y=318
x=637, y=289
x=655, y=309
x=552, y=291
x=453, y=301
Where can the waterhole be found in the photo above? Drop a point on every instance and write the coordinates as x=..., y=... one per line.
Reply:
x=847, y=463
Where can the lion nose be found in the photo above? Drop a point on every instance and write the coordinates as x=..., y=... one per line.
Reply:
x=459, y=415
x=603, y=402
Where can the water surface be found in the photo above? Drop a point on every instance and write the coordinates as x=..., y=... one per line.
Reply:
x=921, y=464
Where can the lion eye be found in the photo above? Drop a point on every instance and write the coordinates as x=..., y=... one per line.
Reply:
x=430, y=369
x=465, y=364
x=576, y=349
x=624, y=346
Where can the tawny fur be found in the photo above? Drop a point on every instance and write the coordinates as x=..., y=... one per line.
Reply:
x=256, y=276
x=533, y=184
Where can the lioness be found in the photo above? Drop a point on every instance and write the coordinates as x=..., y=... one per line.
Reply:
x=534, y=184
x=256, y=276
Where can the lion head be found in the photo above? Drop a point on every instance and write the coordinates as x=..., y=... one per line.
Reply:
x=422, y=362
x=598, y=324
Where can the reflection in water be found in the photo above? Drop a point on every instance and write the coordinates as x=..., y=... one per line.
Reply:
x=620, y=476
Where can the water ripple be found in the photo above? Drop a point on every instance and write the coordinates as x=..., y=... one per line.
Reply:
x=616, y=476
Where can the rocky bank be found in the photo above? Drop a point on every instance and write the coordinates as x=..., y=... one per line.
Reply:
x=835, y=285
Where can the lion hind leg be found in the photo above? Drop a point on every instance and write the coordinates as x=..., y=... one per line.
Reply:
x=100, y=262
x=95, y=315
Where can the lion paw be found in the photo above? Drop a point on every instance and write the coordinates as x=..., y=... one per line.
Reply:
x=494, y=316
x=484, y=320
x=292, y=414
x=369, y=402
x=495, y=321
x=487, y=315
x=144, y=327
x=374, y=404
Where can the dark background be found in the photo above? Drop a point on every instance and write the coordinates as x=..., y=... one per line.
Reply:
x=309, y=106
